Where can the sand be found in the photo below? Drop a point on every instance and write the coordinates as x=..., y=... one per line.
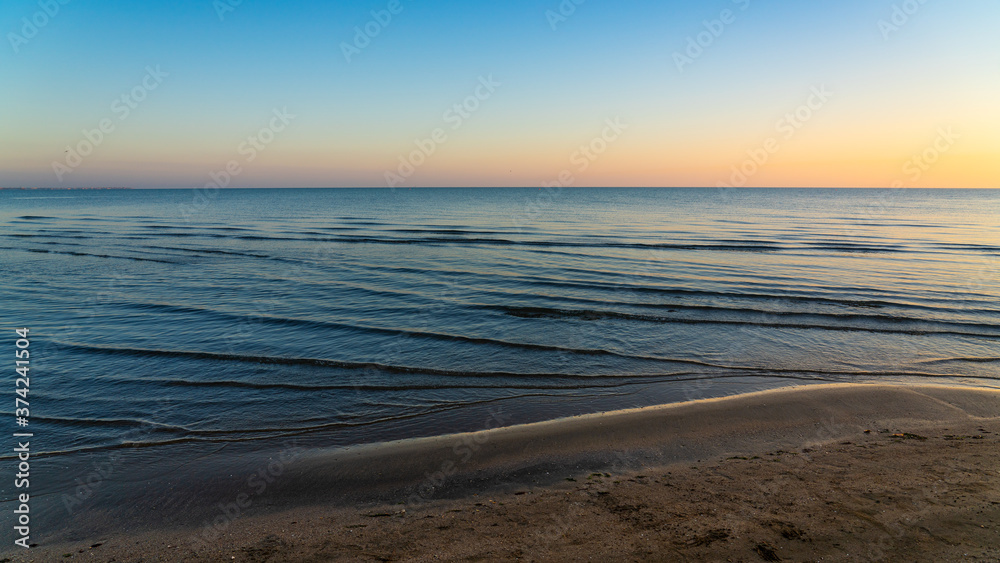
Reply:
x=814, y=473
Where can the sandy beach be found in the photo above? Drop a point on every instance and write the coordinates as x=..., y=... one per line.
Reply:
x=500, y=281
x=813, y=473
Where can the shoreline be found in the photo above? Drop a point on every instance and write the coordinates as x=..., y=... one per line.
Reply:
x=429, y=476
x=634, y=438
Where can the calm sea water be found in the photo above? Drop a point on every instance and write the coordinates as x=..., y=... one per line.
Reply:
x=184, y=324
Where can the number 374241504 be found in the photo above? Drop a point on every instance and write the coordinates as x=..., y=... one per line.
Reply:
x=22, y=383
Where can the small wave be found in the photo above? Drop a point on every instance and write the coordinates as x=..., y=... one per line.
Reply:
x=111, y=422
x=529, y=312
x=106, y=256
x=70, y=253
x=854, y=248
x=178, y=234
x=970, y=247
x=208, y=251
x=309, y=323
x=566, y=244
x=33, y=235
x=870, y=303
x=262, y=237
x=61, y=243
x=447, y=231
x=504, y=383
x=586, y=314
x=975, y=360
x=373, y=366
x=169, y=308
x=776, y=297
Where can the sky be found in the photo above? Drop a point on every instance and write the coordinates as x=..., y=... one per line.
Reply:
x=400, y=93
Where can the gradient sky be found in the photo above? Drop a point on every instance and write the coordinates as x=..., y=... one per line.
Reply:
x=896, y=93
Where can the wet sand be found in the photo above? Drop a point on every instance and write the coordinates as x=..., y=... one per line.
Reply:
x=814, y=473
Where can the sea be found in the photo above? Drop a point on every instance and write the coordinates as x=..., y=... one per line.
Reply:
x=172, y=329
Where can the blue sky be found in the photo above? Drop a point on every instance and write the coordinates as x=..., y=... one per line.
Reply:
x=226, y=75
